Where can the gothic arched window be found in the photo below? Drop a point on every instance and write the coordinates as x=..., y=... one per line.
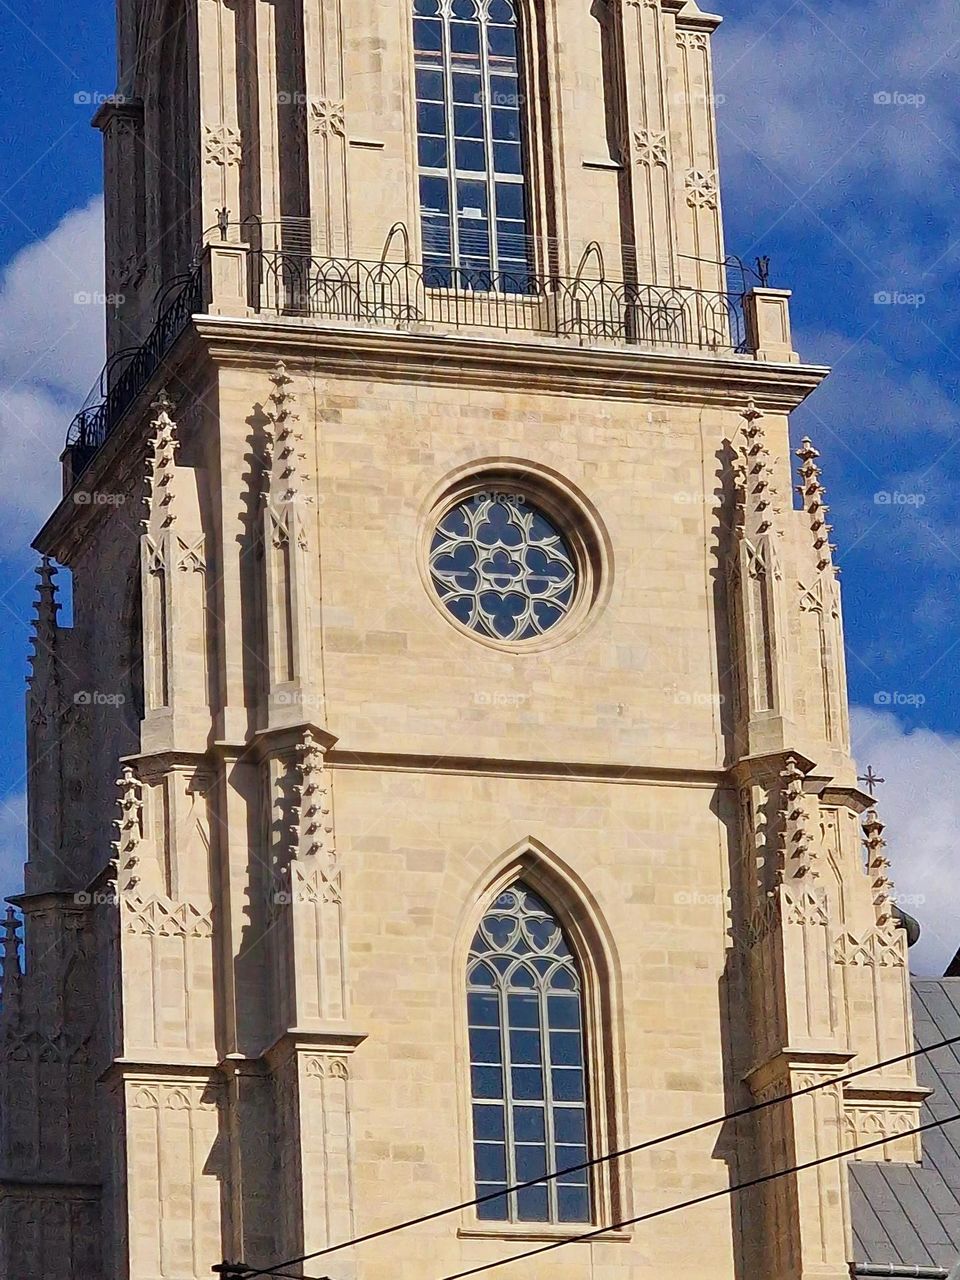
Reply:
x=472, y=167
x=527, y=1064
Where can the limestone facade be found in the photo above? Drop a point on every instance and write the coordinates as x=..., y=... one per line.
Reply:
x=275, y=786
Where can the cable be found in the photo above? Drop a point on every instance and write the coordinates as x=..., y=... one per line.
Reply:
x=689, y=1204
x=752, y=1109
x=670, y=1208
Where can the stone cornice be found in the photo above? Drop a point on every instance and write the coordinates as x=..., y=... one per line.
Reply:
x=333, y=1038
x=406, y=762
x=480, y=360
x=546, y=366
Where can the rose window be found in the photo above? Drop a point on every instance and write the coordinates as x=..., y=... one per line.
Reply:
x=502, y=568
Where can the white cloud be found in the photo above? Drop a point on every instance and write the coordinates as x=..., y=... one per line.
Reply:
x=51, y=350
x=801, y=85
x=920, y=802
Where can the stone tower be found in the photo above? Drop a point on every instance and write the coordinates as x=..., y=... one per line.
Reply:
x=445, y=775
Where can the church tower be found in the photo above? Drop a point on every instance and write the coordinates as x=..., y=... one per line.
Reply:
x=444, y=777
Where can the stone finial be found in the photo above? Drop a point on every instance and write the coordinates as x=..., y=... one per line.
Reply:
x=759, y=499
x=11, y=970
x=161, y=461
x=878, y=866
x=316, y=816
x=799, y=848
x=46, y=613
x=282, y=476
x=129, y=826
x=813, y=494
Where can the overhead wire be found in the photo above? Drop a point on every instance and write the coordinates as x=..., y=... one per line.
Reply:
x=646, y=1145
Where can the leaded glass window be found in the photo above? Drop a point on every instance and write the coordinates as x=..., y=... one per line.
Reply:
x=474, y=202
x=502, y=568
x=528, y=1083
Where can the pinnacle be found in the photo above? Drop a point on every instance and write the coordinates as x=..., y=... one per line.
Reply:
x=812, y=493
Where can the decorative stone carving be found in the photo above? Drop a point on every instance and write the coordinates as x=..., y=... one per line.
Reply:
x=43, y=632
x=759, y=503
x=650, y=148
x=881, y=1131
x=807, y=907
x=161, y=461
x=326, y=117
x=882, y=949
x=878, y=867
x=130, y=831
x=159, y=917
x=327, y=1068
x=703, y=191
x=222, y=145
x=695, y=40
x=283, y=491
x=799, y=848
x=812, y=493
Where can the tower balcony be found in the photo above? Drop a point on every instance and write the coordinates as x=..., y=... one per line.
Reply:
x=590, y=309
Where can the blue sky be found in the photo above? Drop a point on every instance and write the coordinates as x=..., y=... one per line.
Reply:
x=840, y=140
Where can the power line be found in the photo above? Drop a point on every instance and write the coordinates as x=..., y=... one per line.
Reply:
x=697, y=1200
x=671, y=1208
x=752, y=1109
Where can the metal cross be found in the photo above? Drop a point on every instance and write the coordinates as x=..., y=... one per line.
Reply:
x=871, y=780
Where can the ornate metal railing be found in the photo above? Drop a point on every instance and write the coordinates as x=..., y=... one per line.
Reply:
x=579, y=309
x=290, y=282
x=124, y=378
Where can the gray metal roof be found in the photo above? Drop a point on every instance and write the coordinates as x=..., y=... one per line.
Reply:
x=906, y=1214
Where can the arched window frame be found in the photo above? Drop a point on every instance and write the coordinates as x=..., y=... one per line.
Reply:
x=538, y=140
x=593, y=949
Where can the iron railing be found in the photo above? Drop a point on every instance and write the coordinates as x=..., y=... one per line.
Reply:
x=578, y=309
x=289, y=281
x=125, y=375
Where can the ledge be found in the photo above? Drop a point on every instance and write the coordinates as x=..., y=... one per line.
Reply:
x=546, y=365
x=552, y=365
x=543, y=1231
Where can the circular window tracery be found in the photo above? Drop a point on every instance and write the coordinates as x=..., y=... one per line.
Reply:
x=502, y=567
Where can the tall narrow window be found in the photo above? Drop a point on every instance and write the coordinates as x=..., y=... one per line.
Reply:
x=525, y=1006
x=474, y=201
